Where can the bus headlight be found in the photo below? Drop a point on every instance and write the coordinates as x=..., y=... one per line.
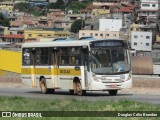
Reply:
x=95, y=78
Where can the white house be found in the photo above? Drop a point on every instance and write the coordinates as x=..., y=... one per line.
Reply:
x=110, y=24
x=141, y=41
x=149, y=8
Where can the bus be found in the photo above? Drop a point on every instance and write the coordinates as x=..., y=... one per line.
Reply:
x=77, y=66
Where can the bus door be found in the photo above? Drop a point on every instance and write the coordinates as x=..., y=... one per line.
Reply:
x=33, y=67
x=54, y=68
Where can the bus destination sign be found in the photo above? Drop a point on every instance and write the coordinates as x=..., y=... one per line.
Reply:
x=113, y=43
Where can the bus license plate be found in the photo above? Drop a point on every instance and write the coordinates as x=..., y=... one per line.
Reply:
x=114, y=85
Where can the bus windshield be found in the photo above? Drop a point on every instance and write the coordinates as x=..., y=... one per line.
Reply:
x=109, y=61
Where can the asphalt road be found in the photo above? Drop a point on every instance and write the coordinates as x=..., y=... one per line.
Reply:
x=90, y=96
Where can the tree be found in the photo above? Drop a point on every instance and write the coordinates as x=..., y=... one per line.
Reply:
x=76, y=6
x=3, y=21
x=77, y=25
x=28, y=8
x=58, y=5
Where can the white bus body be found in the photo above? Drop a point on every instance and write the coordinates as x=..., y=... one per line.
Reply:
x=96, y=65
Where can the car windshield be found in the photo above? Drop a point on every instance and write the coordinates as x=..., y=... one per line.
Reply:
x=109, y=61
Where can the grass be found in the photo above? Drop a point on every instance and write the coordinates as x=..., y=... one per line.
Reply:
x=35, y=104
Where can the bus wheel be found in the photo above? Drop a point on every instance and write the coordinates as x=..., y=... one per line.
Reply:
x=112, y=92
x=80, y=92
x=43, y=86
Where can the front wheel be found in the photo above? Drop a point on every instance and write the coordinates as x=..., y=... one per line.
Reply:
x=113, y=92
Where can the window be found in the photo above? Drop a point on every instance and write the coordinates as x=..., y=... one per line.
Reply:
x=135, y=36
x=64, y=56
x=135, y=43
x=91, y=34
x=48, y=35
x=10, y=33
x=107, y=34
x=44, y=56
x=29, y=35
x=83, y=34
x=101, y=35
x=26, y=56
x=153, y=5
x=153, y=12
x=114, y=35
x=75, y=57
x=96, y=34
x=147, y=44
x=147, y=37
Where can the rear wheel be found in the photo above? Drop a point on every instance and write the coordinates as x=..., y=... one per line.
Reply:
x=113, y=92
x=80, y=92
x=43, y=86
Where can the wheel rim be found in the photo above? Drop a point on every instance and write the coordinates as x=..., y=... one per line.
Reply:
x=79, y=89
x=43, y=88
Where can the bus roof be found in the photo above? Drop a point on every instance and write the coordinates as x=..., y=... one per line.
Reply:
x=61, y=43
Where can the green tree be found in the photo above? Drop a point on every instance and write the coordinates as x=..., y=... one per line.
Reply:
x=76, y=6
x=28, y=8
x=58, y=5
x=77, y=25
x=3, y=21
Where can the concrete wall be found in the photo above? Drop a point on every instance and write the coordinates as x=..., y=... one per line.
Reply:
x=10, y=61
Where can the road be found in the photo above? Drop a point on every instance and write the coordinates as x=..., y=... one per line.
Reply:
x=90, y=96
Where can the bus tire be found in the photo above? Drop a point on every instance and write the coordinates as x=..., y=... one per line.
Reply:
x=113, y=92
x=43, y=85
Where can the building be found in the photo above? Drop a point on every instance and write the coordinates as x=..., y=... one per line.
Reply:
x=110, y=24
x=7, y=5
x=149, y=9
x=13, y=38
x=34, y=34
x=100, y=34
x=141, y=41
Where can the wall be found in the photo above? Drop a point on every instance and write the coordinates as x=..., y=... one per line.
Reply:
x=10, y=61
x=99, y=34
x=110, y=24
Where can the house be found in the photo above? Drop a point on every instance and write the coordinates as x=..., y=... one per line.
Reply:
x=7, y=5
x=21, y=19
x=100, y=34
x=34, y=34
x=15, y=38
x=141, y=40
x=149, y=9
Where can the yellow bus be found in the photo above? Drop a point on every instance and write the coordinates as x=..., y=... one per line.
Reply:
x=77, y=66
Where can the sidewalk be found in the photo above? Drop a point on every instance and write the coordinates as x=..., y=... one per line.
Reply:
x=136, y=90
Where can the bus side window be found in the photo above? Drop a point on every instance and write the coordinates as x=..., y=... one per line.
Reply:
x=64, y=56
x=42, y=56
x=75, y=56
x=26, y=56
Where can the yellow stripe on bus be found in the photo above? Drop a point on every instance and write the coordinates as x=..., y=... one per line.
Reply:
x=53, y=71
